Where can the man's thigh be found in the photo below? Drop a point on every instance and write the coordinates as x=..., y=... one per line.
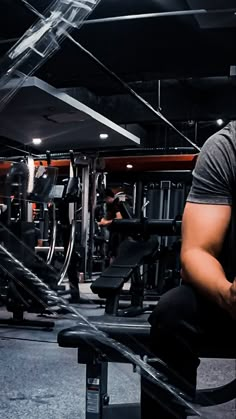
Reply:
x=185, y=308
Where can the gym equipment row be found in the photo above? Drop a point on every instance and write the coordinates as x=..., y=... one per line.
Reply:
x=23, y=185
x=65, y=208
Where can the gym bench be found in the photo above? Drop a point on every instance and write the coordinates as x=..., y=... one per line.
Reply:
x=132, y=255
x=134, y=333
x=140, y=249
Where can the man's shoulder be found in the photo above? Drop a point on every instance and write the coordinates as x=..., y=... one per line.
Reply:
x=221, y=143
x=227, y=132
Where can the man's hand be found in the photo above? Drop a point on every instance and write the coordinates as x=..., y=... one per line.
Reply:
x=229, y=299
x=104, y=222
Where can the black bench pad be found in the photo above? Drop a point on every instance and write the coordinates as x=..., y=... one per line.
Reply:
x=111, y=281
x=131, y=255
x=134, y=333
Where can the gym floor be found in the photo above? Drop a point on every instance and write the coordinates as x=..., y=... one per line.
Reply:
x=41, y=380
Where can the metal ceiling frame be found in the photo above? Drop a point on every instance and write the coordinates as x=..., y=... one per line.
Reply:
x=142, y=16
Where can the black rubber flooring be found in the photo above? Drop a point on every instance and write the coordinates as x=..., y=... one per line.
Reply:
x=40, y=380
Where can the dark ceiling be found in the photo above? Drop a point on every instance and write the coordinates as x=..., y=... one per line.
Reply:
x=194, y=57
x=59, y=121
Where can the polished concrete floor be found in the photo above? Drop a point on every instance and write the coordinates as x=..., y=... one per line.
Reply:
x=40, y=380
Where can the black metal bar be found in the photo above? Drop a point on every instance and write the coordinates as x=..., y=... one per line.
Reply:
x=45, y=249
x=151, y=150
x=93, y=202
x=150, y=227
x=19, y=149
x=139, y=199
x=45, y=222
x=159, y=95
x=54, y=156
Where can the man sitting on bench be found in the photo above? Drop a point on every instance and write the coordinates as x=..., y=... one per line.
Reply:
x=204, y=307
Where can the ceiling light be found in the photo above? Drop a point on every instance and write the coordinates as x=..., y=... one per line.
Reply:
x=103, y=136
x=219, y=121
x=36, y=141
x=129, y=166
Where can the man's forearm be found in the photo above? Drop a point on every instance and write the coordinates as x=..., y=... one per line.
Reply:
x=105, y=222
x=204, y=272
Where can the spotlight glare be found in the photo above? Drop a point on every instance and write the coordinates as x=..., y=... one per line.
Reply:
x=129, y=166
x=219, y=121
x=36, y=141
x=103, y=136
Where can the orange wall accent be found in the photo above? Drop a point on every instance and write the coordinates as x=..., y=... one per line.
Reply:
x=151, y=163
x=140, y=163
x=56, y=163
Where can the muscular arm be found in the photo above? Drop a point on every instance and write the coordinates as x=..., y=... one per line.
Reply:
x=203, y=231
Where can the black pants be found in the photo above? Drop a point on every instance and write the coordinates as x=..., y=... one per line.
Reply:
x=182, y=320
x=114, y=243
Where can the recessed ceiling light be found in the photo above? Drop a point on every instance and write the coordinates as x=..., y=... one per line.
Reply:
x=129, y=166
x=36, y=141
x=219, y=121
x=103, y=136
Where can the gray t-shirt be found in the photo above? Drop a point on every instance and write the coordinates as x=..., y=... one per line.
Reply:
x=214, y=182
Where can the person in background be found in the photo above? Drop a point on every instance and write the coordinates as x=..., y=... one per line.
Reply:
x=112, y=212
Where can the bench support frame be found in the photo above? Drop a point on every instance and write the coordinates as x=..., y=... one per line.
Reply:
x=97, y=399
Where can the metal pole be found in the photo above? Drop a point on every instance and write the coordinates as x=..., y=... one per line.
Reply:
x=53, y=236
x=93, y=202
x=30, y=187
x=174, y=13
x=72, y=205
x=85, y=213
x=159, y=95
x=134, y=198
x=139, y=199
x=45, y=249
x=45, y=222
x=196, y=132
x=68, y=253
x=23, y=199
